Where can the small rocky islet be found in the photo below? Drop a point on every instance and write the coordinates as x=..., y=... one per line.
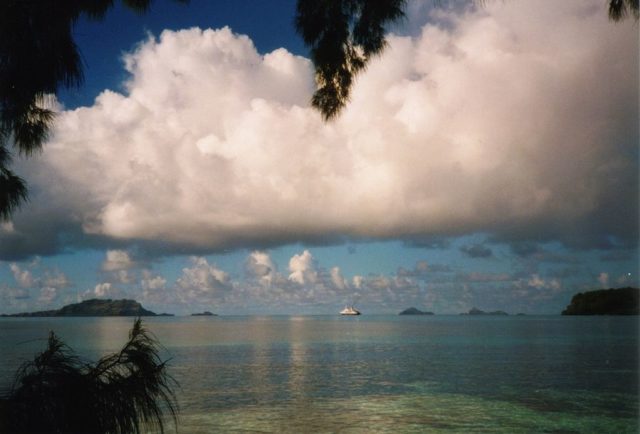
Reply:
x=476, y=311
x=414, y=311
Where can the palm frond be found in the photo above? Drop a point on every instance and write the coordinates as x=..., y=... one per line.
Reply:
x=620, y=9
x=38, y=56
x=127, y=392
x=13, y=189
x=32, y=129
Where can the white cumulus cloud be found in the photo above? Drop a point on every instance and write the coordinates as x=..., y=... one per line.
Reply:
x=302, y=268
x=603, y=279
x=103, y=290
x=259, y=265
x=515, y=119
x=117, y=260
x=24, y=278
x=203, y=282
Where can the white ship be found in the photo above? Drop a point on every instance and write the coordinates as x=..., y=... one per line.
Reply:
x=349, y=310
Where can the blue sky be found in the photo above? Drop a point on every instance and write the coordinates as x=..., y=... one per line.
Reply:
x=103, y=42
x=483, y=161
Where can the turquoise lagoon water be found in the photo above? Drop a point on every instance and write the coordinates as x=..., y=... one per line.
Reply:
x=537, y=374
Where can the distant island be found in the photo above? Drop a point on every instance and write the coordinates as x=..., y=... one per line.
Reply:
x=476, y=311
x=205, y=313
x=621, y=301
x=414, y=311
x=94, y=307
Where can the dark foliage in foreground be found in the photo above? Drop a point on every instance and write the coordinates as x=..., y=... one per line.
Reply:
x=622, y=301
x=127, y=392
x=342, y=35
x=620, y=9
x=13, y=190
x=38, y=57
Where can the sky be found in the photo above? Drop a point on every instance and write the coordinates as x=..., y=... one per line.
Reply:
x=488, y=158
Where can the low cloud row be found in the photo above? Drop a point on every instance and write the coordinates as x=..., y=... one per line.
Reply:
x=302, y=286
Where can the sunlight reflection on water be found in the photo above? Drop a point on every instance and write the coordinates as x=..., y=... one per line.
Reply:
x=378, y=374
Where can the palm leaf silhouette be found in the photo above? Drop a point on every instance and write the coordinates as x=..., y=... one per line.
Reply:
x=38, y=57
x=620, y=9
x=127, y=392
x=342, y=35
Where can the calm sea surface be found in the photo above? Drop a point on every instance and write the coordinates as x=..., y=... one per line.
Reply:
x=538, y=374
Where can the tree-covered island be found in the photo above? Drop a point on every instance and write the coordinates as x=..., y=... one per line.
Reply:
x=93, y=307
x=621, y=301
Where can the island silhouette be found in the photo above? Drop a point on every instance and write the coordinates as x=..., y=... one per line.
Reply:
x=414, y=311
x=94, y=307
x=620, y=301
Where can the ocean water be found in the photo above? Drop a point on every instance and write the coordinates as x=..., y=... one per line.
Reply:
x=450, y=374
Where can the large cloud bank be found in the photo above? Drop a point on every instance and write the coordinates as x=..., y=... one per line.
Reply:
x=517, y=119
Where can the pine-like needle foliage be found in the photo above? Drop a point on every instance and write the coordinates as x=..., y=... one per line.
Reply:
x=13, y=190
x=127, y=392
x=343, y=35
x=620, y=9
